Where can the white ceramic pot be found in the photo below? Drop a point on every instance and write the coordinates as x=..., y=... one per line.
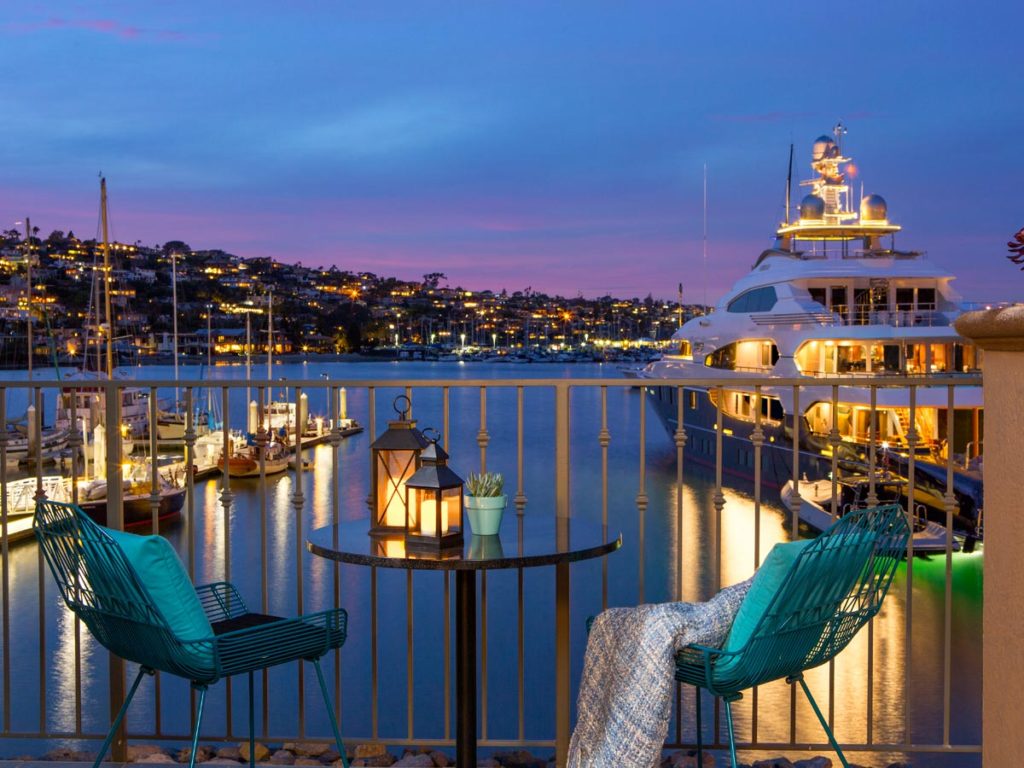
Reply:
x=484, y=513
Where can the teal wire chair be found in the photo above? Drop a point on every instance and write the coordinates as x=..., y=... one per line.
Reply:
x=100, y=585
x=834, y=586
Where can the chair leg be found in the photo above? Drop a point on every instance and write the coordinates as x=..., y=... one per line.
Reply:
x=199, y=721
x=120, y=715
x=732, y=734
x=252, y=722
x=330, y=712
x=821, y=719
x=700, y=744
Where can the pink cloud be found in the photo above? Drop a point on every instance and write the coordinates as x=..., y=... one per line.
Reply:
x=101, y=26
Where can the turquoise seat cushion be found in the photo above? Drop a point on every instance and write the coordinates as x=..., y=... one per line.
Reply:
x=163, y=575
x=767, y=580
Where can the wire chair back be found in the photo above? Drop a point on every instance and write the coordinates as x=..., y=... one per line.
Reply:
x=835, y=586
x=98, y=583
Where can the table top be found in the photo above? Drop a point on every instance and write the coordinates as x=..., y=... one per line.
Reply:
x=524, y=542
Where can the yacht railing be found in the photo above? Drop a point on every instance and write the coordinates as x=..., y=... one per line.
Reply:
x=57, y=684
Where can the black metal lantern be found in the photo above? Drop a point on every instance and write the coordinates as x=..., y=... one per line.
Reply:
x=434, y=522
x=395, y=458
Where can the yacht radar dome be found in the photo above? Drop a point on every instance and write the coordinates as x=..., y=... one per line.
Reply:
x=824, y=146
x=874, y=208
x=812, y=208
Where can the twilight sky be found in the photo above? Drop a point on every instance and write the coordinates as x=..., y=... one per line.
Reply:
x=557, y=145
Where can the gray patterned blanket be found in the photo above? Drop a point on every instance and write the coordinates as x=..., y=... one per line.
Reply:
x=625, y=695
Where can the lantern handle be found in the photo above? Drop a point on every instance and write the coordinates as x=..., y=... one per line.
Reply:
x=432, y=435
x=402, y=411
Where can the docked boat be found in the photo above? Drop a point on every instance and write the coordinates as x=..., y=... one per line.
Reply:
x=247, y=461
x=814, y=506
x=834, y=296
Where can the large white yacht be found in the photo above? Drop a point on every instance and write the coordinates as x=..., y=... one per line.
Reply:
x=833, y=296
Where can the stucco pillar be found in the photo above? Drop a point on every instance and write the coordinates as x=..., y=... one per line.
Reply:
x=1000, y=333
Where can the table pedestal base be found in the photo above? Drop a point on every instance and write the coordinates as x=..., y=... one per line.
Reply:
x=465, y=669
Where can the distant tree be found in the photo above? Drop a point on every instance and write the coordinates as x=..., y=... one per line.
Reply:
x=1016, y=248
x=433, y=279
x=175, y=246
x=56, y=238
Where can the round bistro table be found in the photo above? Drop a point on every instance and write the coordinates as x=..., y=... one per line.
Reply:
x=526, y=541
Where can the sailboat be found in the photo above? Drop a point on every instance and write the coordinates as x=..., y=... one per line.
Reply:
x=27, y=439
x=87, y=405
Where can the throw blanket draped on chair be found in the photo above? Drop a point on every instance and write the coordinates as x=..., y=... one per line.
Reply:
x=626, y=692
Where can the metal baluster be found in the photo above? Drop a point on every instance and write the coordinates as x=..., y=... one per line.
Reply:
x=483, y=438
x=520, y=502
x=190, y=523
x=447, y=617
x=36, y=425
x=5, y=565
x=409, y=669
x=262, y=439
x=911, y=514
x=641, y=494
x=719, y=504
x=115, y=520
x=604, y=439
x=371, y=397
x=482, y=435
x=794, y=504
x=562, y=629
x=872, y=441
x=75, y=446
x=334, y=414
x=834, y=440
x=154, y=480
x=226, y=497
x=949, y=502
x=154, y=508
x=719, y=498
x=757, y=439
x=679, y=438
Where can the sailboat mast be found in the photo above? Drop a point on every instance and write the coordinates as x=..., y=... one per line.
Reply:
x=28, y=266
x=106, y=278
x=270, y=340
x=174, y=302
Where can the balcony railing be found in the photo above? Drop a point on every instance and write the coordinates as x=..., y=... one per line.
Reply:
x=686, y=534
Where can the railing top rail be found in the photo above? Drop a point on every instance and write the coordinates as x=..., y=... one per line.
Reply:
x=933, y=380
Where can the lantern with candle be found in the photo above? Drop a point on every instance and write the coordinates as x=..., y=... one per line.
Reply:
x=434, y=521
x=395, y=459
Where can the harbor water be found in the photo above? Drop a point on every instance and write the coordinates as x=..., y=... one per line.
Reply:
x=901, y=689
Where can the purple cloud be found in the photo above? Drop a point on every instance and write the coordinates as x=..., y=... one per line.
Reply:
x=101, y=26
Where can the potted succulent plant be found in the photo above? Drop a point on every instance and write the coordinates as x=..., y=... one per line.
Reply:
x=485, y=502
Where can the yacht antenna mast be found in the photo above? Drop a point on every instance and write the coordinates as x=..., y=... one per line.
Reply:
x=705, y=238
x=789, y=184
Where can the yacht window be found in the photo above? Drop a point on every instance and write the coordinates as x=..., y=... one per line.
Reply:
x=771, y=409
x=851, y=358
x=926, y=298
x=744, y=355
x=838, y=297
x=818, y=295
x=862, y=306
x=684, y=347
x=756, y=300
x=904, y=299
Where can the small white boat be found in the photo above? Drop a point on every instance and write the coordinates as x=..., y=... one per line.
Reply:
x=816, y=509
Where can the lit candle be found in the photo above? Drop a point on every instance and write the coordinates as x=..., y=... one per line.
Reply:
x=428, y=517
